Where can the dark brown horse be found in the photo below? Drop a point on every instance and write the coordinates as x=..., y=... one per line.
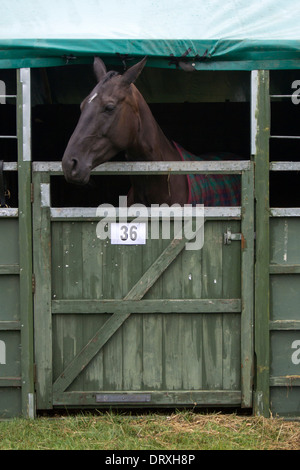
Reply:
x=114, y=118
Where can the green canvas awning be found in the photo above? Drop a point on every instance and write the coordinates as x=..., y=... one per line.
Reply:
x=208, y=34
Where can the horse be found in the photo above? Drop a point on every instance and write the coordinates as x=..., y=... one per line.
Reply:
x=116, y=118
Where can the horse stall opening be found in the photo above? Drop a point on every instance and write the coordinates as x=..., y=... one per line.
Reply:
x=16, y=308
x=151, y=324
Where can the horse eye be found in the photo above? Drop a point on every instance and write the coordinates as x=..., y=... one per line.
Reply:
x=109, y=108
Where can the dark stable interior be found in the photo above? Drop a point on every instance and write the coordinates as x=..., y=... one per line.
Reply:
x=201, y=127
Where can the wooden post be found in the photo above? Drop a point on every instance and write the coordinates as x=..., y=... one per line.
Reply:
x=260, y=117
x=25, y=241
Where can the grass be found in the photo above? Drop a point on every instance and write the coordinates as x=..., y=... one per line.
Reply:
x=176, y=431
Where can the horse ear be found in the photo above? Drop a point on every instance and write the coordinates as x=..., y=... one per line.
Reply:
x=99, y=68
x=132, y=74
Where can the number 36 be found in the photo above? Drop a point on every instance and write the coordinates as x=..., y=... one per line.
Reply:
x=131, y=233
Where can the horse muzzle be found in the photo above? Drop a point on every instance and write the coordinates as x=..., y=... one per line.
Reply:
x=75, y=172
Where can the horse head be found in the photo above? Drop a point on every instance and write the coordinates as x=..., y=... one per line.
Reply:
x=108, y=124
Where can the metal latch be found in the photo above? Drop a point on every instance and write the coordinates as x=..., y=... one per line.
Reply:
x=229, y=237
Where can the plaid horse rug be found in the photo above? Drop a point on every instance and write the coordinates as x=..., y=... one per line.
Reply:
x=211, y=190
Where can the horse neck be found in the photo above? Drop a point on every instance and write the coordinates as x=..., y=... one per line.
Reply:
x=151, y=144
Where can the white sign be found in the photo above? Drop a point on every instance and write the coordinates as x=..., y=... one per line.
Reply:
x=2, y=352
x=128, y=234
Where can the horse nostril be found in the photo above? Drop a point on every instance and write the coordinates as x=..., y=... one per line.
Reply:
x=74, y=165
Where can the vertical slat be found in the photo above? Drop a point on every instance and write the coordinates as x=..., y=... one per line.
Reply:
x=212, y=289
x=25, y=237
x=261, y=110
x=231, y=289
x=92, y=276
x=42, y=300
x=57, y=293
x=191, y=325
x=172, y=289
x=132, y=329
x=72, y=262
x=247, y=276
x=113, y=349
x=152, y=326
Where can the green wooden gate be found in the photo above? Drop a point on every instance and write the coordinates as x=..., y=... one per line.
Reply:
x=143, y=325
x=16, y=303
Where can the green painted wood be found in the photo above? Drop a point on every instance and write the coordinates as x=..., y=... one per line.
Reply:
x=9, y=237
x=10, y=298
x=167, y=398
x=9, y=269
x=287, y=381
x=42, y=296
x=285, y=325
x=178, y=344
x=284, y=353
x=10, y=325
x=88, y=307
x=284, y=269
x=284, y=297
x=185, y=334
x=247, y=279
x=9, y=382
x=25, y=238
x=284, y=241
x=261, y=158
x=117, y=319
x=284, y=322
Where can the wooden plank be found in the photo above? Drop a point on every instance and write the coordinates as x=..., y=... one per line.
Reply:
x=146, y=306
x=153, y=168
x=132, y=331
x=117, y=319
x=285, y=166
x=288, y=381
x=284, y=325
x=10, y=325
x=261, y=115
x=284, y=268
x=247, y=279
x=152, y=333
x=9, y=269
x=9, y=212
x=25, y=240
x=89, y=213
x=172, y=339
x=285, y=212
x=10, y=382
x=42, y=298
x=212, y=286
x=231, y=323
x=10, y=166
x=167, y=397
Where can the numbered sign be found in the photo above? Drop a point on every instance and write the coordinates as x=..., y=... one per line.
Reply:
x=128, y=234
x=2, y=352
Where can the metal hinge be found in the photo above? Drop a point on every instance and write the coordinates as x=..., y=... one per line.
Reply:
x=229, y=237
x=33, y=283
